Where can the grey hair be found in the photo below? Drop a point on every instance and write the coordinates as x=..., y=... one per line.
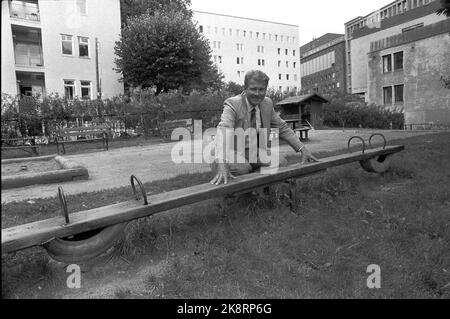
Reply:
x=257, y=76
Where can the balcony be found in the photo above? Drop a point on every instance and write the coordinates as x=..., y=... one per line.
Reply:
x=27, y=48
x=25, y=11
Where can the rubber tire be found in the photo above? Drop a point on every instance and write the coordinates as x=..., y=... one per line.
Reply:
x=376, y=165
x=73, y=251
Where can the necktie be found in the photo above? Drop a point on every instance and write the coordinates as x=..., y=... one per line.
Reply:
x=253, y=124
x=253, y=118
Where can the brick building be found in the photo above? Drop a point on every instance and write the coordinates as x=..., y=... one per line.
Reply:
x=322, y=63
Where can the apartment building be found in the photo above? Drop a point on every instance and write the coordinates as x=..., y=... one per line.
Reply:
x=323, y=65
x=396, y=57
x=241, y=44
x=64, y=47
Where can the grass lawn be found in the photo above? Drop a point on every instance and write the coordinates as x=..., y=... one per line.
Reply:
x=252, y=248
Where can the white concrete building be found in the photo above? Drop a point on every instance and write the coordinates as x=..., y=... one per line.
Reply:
x=241, y=44
x=64, y=47
x=398, y=17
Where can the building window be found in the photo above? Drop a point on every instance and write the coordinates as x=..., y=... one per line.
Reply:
x=264, y=36
x=295, y=77
x=223, y=31
x=200, y=29
x=287, y=64
x=238, y=60
x=67, y=44
x=279, y=63
x=69, y=89
x=257, y=35
x=276, y=37
x=398, y=92
x=398, y=61
x=220, y=59
x=279, y=76
x=387, y=63
x=293, y=52
x=279, y=51
x=338, y=85
x=86, y=90
x=81, y=6
x=83, y=46
x=219, y=44
x=237, y=32
x=295, y=64
x=286, y=51
x=387, y=95
x=244, y=33
x=287, y=77
x=231, y=31
x=419, y=25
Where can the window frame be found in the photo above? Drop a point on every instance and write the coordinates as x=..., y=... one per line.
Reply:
x=86, y=44
x=402, y=86
x=78, y=7
x=385, y=97
x=73, y=86
x=84, y=86
x=396, y=54
x=71, y=42
x=387, y=63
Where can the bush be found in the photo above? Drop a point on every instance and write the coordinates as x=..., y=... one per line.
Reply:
x=351, y=111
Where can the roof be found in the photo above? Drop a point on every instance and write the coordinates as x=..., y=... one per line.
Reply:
x=302, y=98
x=327, y=37
x=230, y=16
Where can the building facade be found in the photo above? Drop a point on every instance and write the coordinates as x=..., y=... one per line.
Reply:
x=240, y=44
x=323, y=65
x=64, y=47
x=396, y=57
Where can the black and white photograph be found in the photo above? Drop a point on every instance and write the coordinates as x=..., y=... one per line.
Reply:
x=225, y=156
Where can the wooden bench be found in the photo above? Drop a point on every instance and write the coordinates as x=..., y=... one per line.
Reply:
x=303, y=132
x=166, y=128
x=20, y=144
x=87, y=134
x=424, y=126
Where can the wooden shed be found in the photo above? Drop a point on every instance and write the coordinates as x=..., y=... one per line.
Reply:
x=307, y=110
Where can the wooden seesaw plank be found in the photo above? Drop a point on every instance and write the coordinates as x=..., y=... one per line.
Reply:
x=36, y=233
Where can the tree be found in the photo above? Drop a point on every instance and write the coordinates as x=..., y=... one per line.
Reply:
x=132, y=8
x=234, y=88
x=164, y=50
x=445, y=8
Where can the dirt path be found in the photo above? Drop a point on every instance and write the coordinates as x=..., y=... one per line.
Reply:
x=113, y=168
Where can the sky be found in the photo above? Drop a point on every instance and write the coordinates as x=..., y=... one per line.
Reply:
x=314, y=17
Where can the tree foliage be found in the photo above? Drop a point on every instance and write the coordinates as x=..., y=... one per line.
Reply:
x=132, y=8
x=445, y=8
x=165, y=50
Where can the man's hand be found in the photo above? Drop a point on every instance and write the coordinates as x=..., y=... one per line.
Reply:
x=223, y=171
x=307, y=156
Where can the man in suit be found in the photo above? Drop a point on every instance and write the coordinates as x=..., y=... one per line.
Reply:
x=252, y=109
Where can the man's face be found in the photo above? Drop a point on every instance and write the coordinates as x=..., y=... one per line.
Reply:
x=255, y=91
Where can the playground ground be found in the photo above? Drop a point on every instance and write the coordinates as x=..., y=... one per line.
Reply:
x=152, y=162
